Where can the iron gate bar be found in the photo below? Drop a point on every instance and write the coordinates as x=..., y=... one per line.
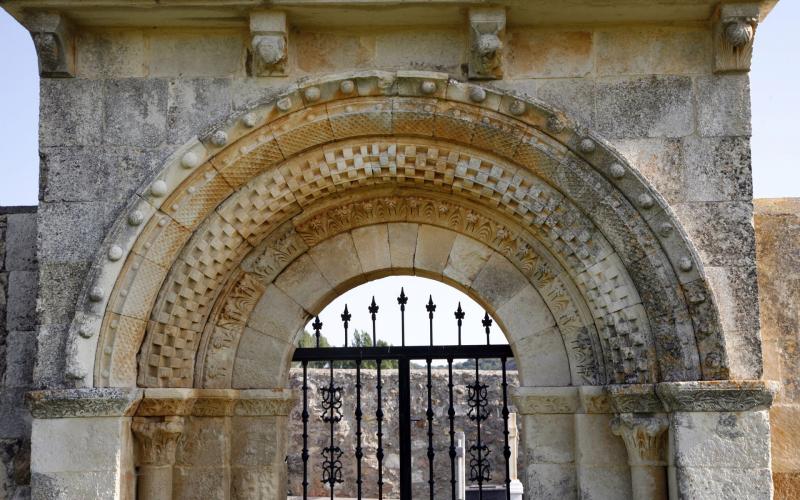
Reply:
x=403, y=352
x=404, y=389
x=304, y=416
x=379, y=416
x=359, y=452
x=429, y=416
x=506, y=447
x=451, y=414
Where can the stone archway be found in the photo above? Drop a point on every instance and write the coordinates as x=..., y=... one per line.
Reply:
x=221, y=258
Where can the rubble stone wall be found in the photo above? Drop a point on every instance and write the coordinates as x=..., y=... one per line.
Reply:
x=778, y=248
x=17, y=345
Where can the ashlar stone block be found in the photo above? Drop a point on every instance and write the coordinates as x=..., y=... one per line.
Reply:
x=372, y=247
x=135, y=112
x=721, y=439
x=723, y=105
x=467, y=258
x=655, y=106
x=433, y=249
x=403, y=244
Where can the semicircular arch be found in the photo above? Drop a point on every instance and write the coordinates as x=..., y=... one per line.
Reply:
x=599, y=220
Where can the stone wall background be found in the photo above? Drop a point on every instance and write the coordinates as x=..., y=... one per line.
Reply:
x=649, y=89
x=17, y=345
x=344, y=436
x=778, y=238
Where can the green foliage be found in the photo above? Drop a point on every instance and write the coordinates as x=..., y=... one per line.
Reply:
x=359, y=338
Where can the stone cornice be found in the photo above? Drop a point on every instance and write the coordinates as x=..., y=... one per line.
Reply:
x=345, y=13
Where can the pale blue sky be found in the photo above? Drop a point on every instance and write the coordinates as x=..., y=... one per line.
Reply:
x=775, y=78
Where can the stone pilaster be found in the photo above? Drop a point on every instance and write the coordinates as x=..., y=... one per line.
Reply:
x=156, y=441
x=645, y=440
x=81, y=444
x=719, y=439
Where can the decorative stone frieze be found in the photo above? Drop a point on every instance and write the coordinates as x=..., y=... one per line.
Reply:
x=637, y=398
x=734, y=32
x=722, y=395
x=216, y=402
x=97, y=402
x=54, y=43
x=536, y=400
x=487, y=28
x=269, y=45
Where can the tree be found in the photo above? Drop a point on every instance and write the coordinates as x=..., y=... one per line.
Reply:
x=360, y=339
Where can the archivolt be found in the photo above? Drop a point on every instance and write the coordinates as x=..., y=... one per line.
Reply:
x=549, y=192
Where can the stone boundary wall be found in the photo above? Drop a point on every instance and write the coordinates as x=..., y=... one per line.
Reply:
x=319, y=435
x=777, y=224
x=18, y=285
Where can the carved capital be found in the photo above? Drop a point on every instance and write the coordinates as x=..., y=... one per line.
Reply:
x=156, y=440
x=54, y=43
x=644, y=437
x=487, y=28
x=268, y=44
x=734, y=31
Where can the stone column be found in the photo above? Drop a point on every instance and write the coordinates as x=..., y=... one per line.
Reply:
x=156, y=441
x=645, y=440
x=81, y=444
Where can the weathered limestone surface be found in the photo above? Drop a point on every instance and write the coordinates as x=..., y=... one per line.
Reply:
x=665, y=82
x=18, y=288
x=778, y=248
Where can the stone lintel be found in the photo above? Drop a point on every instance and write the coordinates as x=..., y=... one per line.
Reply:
x=217, y=402
x=96, y=402
x=54, y=42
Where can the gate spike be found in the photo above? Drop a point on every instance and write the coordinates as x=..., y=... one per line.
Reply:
x=431, y=307
x=373, y=310
x=317, y=326
x=487, y=325
x=460, y=317
x=402, y=300
x=346, y=319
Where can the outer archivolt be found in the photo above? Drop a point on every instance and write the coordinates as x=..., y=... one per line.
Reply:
x=595, y=218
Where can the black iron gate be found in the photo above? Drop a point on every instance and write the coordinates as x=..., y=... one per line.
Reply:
x=478, y=411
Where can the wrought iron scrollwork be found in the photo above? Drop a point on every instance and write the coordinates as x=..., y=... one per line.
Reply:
x=478, y=402
x=331, y=414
